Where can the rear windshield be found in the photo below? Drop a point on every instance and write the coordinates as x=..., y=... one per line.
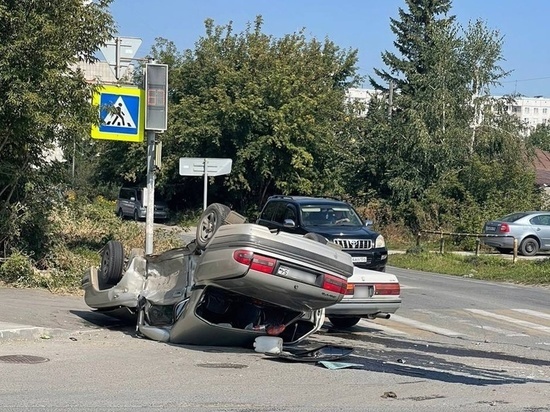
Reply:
x=512, y=217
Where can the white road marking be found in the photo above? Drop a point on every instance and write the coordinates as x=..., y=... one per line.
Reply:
x=383, y=328
x=533, y=313
x=425, y=326
x=519, y=322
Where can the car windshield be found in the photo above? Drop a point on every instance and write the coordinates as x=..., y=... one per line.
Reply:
x=512, y=217
x=329, y=215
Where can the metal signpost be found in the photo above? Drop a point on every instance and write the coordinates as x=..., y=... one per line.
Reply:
x=199, y=166
x=119, y=52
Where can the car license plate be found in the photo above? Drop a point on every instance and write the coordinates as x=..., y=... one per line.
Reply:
x=359, y=259
x=363, y=291
x=490, y=229
x=296, y=274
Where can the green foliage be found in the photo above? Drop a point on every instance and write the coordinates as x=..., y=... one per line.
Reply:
x=449, y=156
x=540, y=137
x=45, y=103
x=276, y=106
x=16, y=269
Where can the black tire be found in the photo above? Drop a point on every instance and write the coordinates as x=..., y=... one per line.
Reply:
x=120, y=214
x=112, y=262
x=211, y=219
x=344, y=322
x=317, y=237
x=503, y=250
x=529, y=247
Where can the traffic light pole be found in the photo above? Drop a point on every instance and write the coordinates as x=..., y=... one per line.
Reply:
x=150, y=216
x=156, y=118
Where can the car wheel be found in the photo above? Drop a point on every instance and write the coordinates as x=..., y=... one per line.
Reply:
x=344, y=322
x=529, y=247
x=504, y=251
x=120, y=214
x=317, y=237
x=211, y=219
x=112, y=261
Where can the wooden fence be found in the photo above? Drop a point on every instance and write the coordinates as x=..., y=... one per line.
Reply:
x=478, y=237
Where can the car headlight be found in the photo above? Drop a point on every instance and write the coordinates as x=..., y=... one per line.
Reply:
x=380, y=242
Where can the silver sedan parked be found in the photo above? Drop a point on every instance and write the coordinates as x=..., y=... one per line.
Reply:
x=370, y=294
x=531, y=229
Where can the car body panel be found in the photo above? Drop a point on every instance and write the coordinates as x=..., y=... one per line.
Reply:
x=522, y=225
x=365, y=302
x=187, y=296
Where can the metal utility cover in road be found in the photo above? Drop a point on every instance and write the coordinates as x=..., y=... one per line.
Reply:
x=121, y=112
x=194, y=166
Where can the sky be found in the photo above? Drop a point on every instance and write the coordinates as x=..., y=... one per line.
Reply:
x=351, y=24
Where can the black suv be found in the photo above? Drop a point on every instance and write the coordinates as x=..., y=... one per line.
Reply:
x=335, y=220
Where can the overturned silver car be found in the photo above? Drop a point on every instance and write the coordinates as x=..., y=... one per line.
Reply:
x=234, y=283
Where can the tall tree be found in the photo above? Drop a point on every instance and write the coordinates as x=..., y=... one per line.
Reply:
x=444, y=129
x=276, y=106
x=415, y=36
x=44, y=99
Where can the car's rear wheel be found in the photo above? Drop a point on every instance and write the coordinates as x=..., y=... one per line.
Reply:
x=211, y=219
x=503, y=250
x=112, y=261
x=529, y=247
x=344, y=322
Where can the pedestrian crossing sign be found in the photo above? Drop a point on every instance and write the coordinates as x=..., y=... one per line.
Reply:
x=122, y=114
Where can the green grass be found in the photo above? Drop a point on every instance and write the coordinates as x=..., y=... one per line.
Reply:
x=495, y=268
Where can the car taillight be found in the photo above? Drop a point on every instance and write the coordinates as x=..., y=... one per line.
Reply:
x=335, y=284
x=504, y=228
x=259, y=263
x=350, y=289
x=387, y=289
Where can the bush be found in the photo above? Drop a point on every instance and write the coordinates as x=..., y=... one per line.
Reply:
x=17, y=269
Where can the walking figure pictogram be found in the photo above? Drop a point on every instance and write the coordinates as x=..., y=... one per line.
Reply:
x=117, y=115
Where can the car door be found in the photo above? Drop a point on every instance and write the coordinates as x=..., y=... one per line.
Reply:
x=269, y=215
x=128, y=201
x=541, y=226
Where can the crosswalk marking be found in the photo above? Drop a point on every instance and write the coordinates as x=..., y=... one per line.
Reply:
x=383, y=328
x=533, y=313
x=501, y=331
x=425, y=326
x=519, y=322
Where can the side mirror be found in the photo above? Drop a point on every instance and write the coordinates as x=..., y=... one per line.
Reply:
x=289, y=223
x=369, y=223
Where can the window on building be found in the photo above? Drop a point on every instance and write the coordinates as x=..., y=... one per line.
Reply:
x=536, y=110
x=544, y=111
x=526, y=110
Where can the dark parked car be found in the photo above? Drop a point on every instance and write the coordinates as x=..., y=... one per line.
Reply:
x=335, y=220
x=131, y=203
x=531, y=229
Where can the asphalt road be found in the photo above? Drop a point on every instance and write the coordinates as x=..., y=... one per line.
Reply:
x=457, y=343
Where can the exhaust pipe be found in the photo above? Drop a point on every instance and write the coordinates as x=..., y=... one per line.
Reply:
x=379, y=315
